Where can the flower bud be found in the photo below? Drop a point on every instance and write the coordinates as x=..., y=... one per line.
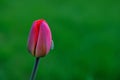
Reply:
x=40, y=38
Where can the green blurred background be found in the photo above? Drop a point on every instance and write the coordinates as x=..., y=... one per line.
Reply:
x=86, y=34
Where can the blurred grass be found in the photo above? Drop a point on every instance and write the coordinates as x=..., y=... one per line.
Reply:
x=86, y=36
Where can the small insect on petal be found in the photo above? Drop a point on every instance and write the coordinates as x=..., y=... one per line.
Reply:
x=52, y=46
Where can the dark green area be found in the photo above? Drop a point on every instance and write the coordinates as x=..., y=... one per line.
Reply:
x=86, y=36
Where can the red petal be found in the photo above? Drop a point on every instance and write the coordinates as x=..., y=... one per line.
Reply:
x=44, y=40
x=33, y=36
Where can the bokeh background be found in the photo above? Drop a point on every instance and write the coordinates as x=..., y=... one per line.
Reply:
x=86, y=34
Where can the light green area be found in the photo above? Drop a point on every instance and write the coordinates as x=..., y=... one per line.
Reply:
x=86, y=35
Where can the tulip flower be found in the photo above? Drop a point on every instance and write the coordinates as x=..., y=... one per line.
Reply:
x=39, y=41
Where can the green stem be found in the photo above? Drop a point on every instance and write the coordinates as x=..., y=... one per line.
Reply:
x=33, y=75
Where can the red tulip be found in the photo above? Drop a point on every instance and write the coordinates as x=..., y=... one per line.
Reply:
x=40, y=38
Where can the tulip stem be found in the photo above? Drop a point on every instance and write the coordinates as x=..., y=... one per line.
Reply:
x=33, y=75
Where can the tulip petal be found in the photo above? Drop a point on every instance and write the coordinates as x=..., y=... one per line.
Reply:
x=44, y=40
x=33, y=36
